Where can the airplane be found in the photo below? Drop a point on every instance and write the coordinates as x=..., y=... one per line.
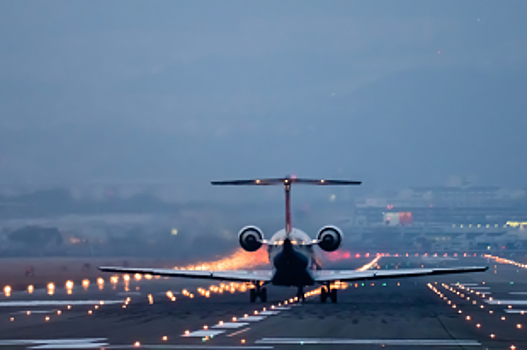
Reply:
x=291, y=252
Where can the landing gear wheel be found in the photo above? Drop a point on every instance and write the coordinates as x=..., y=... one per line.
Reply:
x=252, y=295
x=323, y=294
x=333, y=296
x=300, y=296
x=263, y=295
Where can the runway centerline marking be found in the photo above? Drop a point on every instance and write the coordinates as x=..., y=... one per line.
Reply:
x=239, y=332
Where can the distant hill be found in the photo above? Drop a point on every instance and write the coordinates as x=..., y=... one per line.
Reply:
x=414, y=127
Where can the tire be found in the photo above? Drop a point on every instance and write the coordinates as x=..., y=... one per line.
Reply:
x=323, y=295
x=252, y=295
x=263, y=295
x=333, y=296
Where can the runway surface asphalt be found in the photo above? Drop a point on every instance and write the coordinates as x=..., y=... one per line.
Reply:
x=469, y=311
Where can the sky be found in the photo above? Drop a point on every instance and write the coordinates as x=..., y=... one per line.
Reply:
x=394, y=93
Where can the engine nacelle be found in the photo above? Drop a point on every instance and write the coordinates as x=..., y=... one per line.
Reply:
x=250, y=238
x=329, y=238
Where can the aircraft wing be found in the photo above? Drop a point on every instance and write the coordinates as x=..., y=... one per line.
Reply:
x=354, y=275
x=234, y=276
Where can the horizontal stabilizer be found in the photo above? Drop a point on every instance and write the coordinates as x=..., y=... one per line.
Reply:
x=285, y=181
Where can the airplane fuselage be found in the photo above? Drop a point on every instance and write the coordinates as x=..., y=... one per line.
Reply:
x=293, y=258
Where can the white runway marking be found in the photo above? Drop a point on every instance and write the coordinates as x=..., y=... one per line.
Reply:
x=81, y=343
x=18, y=303
x=518, y=293
x=390, y=342
x=282, y=308
x=515, y=311
x=252, y=318
x=506, y=302
x=197, y=347
x=269, y=313
x=34, y=312
x=230, y=325
x=480, y=288
x=99, y=343
x=203, y=333
x=464, y=284
x=70, y=346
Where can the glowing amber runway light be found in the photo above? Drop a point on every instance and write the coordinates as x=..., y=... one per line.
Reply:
x=85, y=284
x=100, y=283
x=7, y=291
x=30, y=289
x=51, y=288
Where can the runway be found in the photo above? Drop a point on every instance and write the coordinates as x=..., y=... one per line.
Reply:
x=470, y=311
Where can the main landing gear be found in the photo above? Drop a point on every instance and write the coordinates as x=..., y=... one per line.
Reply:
x=327, y=292
x=258, y=292
x=300, y=294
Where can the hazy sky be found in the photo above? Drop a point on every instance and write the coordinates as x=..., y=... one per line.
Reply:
x=395, y=93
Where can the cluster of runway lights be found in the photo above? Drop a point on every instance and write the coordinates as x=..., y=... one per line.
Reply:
x=230, y=287
x=465, y=292
x=114, y=280
x=242, y=287
x=219, y=289
x=505, y=261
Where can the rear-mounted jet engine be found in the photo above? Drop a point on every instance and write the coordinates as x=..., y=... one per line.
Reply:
x=329, y=238
x=251, y=238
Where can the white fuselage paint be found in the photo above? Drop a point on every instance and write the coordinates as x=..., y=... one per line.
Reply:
x=302, y=244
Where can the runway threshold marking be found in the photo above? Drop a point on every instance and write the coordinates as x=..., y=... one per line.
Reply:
x=239, y=332
x=391, y=342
